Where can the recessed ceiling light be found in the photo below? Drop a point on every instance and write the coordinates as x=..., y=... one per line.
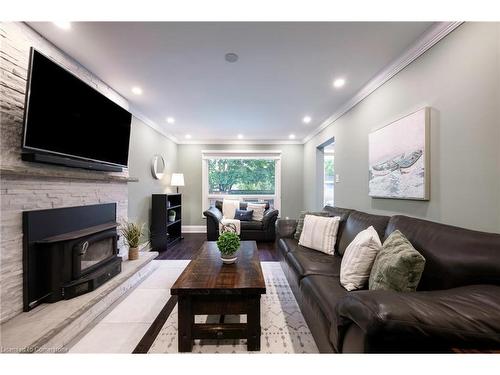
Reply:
x=63, y=25
x=170, y=120
x=291, y=136
x=188, y=136
x=240, y=136
x=339, y=82
x=137, y=90
x=231, y=57
x=306, y=119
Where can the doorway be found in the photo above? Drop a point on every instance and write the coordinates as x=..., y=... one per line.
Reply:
x=327, y=166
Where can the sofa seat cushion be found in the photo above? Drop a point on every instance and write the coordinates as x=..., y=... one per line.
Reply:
x=252, y=225
x=311, y=262
x=325, y=291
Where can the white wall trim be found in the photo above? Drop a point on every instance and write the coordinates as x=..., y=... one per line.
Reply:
x=433, y=35
x=194, y=229
x=240, y=142
x=252, y=152
x=139, y=115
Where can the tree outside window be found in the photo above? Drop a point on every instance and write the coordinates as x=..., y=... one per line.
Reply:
x=241, y=176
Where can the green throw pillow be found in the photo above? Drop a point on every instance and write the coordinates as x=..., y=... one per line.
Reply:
x=300, y=222
x=398, y=266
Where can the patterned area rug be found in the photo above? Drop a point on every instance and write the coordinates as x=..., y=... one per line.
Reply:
x=283, y=327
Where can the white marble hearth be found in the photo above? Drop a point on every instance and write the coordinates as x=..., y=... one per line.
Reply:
x=50, y=327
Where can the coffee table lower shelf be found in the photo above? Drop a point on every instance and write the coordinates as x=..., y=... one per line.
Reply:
x=191, y=305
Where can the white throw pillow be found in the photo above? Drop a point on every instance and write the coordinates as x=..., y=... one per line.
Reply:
x=229, y=207
x=358, y=259
x=320, y=233
x=258, y=210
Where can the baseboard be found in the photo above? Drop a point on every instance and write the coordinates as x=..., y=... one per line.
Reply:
x=194, y=229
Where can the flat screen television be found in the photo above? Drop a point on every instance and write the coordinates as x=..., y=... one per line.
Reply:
x=64, y=116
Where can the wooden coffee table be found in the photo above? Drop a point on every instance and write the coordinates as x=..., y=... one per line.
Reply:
x=209, y=287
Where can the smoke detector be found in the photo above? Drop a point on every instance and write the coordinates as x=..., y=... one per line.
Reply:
x=231, y=57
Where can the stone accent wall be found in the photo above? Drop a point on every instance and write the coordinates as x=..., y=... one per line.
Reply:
x=53, y=186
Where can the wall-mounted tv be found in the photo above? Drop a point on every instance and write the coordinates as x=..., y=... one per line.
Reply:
x=66, y=117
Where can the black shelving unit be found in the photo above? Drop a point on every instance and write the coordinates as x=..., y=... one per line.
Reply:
x=165, y=233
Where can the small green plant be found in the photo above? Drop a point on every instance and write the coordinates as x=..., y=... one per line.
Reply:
x=132, y=233
x=228, y=243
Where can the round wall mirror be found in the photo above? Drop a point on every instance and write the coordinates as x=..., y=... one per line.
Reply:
x=158, y=167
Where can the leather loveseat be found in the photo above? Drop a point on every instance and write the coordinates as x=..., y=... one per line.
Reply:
x=264, y=230
x=456, y=306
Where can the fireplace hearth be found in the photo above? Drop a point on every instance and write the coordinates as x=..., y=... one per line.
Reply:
x=68, y=252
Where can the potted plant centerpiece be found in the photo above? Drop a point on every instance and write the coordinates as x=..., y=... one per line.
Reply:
x=133, y=234
x=228, y=243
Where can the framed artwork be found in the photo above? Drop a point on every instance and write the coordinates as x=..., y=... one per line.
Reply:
x=399, y=158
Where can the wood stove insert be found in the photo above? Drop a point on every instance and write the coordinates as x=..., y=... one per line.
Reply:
x=68, y=252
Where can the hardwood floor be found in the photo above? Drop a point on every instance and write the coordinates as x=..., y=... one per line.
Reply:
x=184, y=249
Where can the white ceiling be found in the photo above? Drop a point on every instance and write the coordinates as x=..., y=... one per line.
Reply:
x=284, y=72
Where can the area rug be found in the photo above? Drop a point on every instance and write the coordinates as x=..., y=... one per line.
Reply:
x=283, y=327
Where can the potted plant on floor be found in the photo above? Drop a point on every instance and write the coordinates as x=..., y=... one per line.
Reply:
x=228, y=244
x=133, y=234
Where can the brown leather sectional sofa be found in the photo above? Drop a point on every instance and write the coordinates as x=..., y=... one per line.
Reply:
x=456, y=306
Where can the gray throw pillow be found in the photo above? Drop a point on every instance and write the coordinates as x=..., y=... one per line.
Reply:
x=398, y=266
x=300, y=222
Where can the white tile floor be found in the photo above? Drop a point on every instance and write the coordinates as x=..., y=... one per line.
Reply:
x=124, y=325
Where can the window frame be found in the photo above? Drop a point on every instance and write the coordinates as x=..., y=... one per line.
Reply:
x=241, y=154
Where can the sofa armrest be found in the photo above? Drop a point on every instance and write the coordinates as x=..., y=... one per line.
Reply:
x=455, y=318
x=214, y=214
x=270, y=217
x=286, y=227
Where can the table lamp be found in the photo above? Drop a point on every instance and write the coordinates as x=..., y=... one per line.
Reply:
x=177, y=180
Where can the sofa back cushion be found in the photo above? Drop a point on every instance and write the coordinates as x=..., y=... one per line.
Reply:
x=343, y=213
x=243, y=205
x=357, y=222
x=454, y=256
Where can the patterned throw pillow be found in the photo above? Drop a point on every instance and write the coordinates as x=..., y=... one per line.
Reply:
x=258, y=210
x=320, y=233
x=243, y=215
x=398, y=266
x=358, y=259
x=300, y=222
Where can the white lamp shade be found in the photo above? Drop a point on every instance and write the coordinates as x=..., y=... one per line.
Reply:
x=177, y=179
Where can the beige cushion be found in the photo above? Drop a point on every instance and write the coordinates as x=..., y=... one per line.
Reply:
x=300, y=221
x=320, y=233
x=358, y=259
x=229, y=207
x=258, y=210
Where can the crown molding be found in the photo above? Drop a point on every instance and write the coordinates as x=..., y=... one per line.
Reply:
x=240, y=142
x=433, y=35
x=139, y=115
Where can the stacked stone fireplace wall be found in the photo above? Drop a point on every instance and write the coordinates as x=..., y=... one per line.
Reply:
x=29, y=186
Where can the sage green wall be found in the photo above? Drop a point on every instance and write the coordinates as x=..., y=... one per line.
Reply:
x=189, y=157
x=145, y=142
x=459, y=78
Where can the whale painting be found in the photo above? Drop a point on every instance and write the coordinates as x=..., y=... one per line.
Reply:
x=399, y=158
